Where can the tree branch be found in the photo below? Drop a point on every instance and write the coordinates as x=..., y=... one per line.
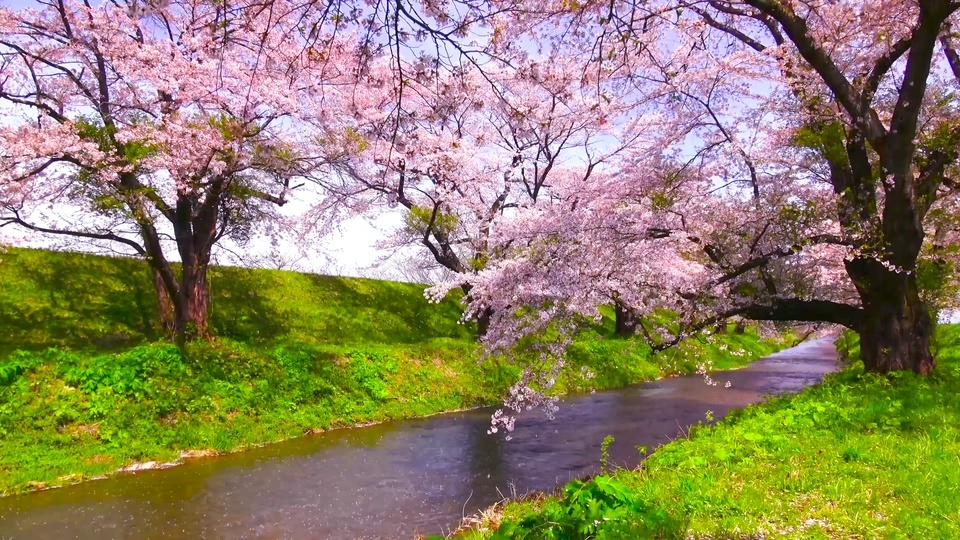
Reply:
x=15, y=220
x=946, y=41
x=796, y=29
x=785, y=310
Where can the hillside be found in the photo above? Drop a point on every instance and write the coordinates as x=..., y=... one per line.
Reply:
x=88, y=301
x=88, y=386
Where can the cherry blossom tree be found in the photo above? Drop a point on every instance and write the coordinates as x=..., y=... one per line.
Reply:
x=159, y=124
x=457, y=150
x=800, y=165
x=756, y=100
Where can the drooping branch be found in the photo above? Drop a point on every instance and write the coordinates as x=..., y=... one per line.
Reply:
x=785, y=310
x=16, y=220
x=779, y=253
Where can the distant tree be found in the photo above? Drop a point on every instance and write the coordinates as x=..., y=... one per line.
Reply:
x=458, y=150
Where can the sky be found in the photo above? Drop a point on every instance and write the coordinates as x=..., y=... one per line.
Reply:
x=349, y=250
x=352, y=249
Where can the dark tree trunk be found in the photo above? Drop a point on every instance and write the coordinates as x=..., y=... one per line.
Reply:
x=192, y=317
x=741, y=326
x=895, y=340
x=483, y=320
x=625, y=320
x=721, y=327
x=183, y=301
x=483, y=323
x=897, y=328
x=166, y=310
x=195, y=230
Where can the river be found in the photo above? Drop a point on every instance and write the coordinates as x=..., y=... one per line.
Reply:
x=397, y=479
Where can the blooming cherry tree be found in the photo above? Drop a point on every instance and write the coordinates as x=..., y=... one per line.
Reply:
x=799, y=165
x=165, y=124
x=458, y=150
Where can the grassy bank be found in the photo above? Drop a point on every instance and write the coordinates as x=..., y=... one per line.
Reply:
x=860, y=456
x=87, y=386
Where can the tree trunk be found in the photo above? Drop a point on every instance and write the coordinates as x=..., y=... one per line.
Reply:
x=897, y=328
x=625, y=320
x=896, y=336
x=721, y=327
x=741, y=326
x=483, y=320
x=194, y=305
x=195, y=229
x=192, y=321
x=483, y=323
x=166, y=309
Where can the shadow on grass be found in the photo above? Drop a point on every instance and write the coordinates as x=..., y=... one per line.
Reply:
x=241, y=309
x=388, y=312
x=269, y=305
x=74, y=300
x=82, y=301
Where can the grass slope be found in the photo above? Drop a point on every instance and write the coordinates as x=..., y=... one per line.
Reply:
x=87, y=386
x=92, y=302
x=859, y=456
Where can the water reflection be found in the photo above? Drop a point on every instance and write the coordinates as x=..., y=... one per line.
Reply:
x=395, y=479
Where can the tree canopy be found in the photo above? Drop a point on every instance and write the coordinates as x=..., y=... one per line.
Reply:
x=164, y=125
x=768, y=159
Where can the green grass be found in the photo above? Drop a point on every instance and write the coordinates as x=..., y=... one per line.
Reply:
x=859, y=456
x=92, y=302
x=87, y=385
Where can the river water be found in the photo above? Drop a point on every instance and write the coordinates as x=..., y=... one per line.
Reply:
x=397, y=479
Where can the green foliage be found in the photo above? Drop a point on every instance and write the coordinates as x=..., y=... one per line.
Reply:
x=602, y=507
x=16, y=365
x=130, y=374
x=662, y=201
x=826, y=138
x=93, y=129
x=417, y=222
x=942, y=139
x=605, y=452
x=368, y=369
x=937, y=279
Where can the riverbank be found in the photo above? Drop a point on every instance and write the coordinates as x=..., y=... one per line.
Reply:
x=86, y=388
x=859, y=456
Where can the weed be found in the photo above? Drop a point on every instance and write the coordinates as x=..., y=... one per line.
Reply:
x=605, y=452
